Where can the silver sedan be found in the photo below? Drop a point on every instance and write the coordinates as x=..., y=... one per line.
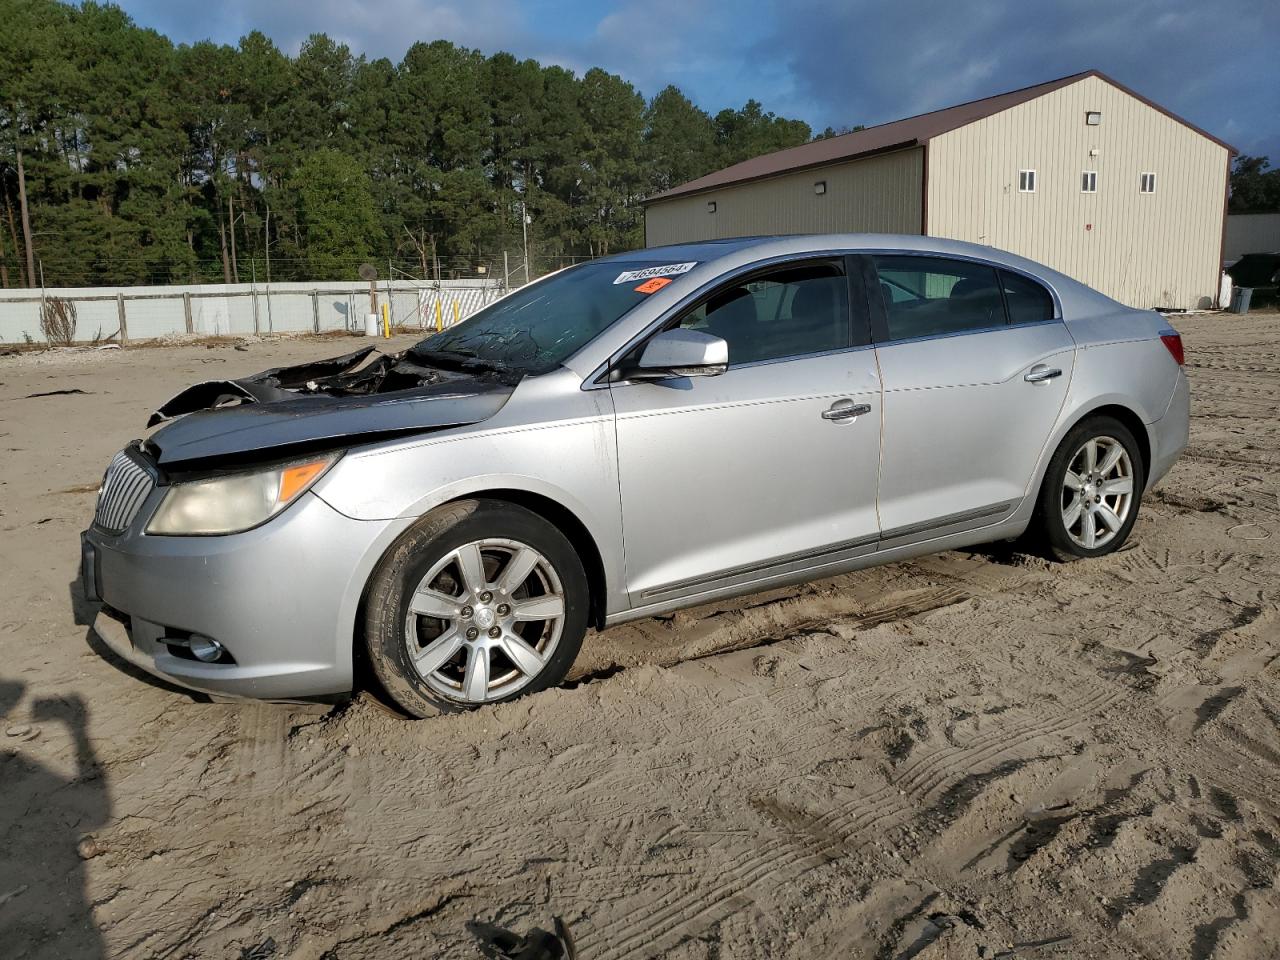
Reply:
x=633, y=435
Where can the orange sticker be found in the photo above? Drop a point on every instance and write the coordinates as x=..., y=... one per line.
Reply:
x=654, y=285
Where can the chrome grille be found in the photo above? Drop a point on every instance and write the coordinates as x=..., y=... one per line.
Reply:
x=124, y=488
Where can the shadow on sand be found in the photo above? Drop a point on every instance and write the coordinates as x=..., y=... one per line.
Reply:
x=46, y=818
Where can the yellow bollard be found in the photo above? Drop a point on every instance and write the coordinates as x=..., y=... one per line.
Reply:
x=455, y=311
x=386, y=322
x=439, y=317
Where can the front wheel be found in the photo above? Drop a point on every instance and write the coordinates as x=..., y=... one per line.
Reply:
x=1091, y=492
x=481, y=602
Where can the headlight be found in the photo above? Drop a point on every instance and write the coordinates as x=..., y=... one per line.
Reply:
x=237, y=501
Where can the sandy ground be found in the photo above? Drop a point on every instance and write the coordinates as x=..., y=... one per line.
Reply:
x=978, y=754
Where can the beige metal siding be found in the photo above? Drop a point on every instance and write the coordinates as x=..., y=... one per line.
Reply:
x=874, y=195
x=1251, y=233
x=1147, y=250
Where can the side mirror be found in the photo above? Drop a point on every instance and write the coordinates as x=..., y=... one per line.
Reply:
x=681, y=353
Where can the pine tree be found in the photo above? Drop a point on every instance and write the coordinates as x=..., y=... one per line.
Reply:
x=680, y=140
x=127, y=159
x=337, y=219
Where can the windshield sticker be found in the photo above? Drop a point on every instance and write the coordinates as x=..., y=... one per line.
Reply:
x=654, y=285
x=666, y=270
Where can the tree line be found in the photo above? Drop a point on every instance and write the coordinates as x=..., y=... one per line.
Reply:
x=126, y=158
x=1255, y=186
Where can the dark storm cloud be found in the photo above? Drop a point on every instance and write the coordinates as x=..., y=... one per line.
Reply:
x=1216, y=64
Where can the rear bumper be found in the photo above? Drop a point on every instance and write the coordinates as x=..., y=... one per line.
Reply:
x=282, y=599
x=1169, y=434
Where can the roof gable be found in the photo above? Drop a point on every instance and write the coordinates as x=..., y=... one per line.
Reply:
x=896, y=135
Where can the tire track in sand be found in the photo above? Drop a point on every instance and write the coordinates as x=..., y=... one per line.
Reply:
x=682, y=914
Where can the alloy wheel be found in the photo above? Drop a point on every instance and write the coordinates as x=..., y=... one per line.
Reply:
x=1097, y=492
x=485, y=619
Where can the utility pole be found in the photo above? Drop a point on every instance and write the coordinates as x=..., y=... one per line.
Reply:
x=266, y=247
x=26, y=222
x=253, y=292
x=524, y=226
x=231, y=226
x=4, y=264
x=222, y=240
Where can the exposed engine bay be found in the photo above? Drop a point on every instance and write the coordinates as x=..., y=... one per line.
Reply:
x=365, y=395
x=343, y=376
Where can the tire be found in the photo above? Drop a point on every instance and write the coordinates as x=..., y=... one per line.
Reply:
x=476, y=584
x=1108, y=501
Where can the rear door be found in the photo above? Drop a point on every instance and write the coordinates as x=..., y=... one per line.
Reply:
x=975, y=363
x=768, y=468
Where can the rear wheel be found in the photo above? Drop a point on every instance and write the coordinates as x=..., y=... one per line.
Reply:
x=1091, y=492
x=481, y=602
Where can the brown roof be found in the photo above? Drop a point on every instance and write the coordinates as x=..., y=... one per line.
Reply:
x=911, y=132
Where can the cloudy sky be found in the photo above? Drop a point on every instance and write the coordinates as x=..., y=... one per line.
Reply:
x=828, y=62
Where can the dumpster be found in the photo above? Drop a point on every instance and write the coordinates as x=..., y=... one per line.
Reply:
x=1240, y=299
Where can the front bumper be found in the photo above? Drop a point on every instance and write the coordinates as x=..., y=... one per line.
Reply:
x=281, y=598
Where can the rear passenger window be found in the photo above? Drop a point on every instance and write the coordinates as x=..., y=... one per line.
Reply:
x=788, y=313
x=933, y=296
x=1028, y=302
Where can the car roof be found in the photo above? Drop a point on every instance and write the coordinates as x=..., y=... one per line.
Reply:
x=782, y=245
x=733, y=252
x=699, y=250
x=711, y=260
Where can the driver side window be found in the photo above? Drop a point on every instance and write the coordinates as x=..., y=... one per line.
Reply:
x=789, y=312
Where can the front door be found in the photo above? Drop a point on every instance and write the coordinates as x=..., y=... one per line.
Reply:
x=767, y=469
x=975, y=369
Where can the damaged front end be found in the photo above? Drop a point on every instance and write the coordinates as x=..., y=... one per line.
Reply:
x=325, y=404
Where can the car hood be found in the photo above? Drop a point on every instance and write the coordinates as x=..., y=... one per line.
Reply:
x=332, y=403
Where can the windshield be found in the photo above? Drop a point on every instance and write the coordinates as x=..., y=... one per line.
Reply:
x=538, y=327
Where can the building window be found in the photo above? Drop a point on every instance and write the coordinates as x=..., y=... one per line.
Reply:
x=711, y=206
x=1093, y=118
x=1148, y=183
x=1026, y=181
x=820, y=187
x=1089, y=181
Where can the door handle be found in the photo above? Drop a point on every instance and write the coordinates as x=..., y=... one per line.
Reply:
x=845, y=410
x=1040, y=373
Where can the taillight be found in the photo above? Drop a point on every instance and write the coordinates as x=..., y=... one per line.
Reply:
x=1173, y=343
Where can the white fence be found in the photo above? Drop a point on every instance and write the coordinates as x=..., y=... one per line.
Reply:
x=242, y=309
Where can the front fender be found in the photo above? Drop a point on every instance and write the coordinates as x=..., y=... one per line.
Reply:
x=577, y=466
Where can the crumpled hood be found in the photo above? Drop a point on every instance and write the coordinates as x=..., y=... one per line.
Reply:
x=319, y=405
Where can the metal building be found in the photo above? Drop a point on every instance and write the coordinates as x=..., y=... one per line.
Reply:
x=1251, y=233
x=1080, y=173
